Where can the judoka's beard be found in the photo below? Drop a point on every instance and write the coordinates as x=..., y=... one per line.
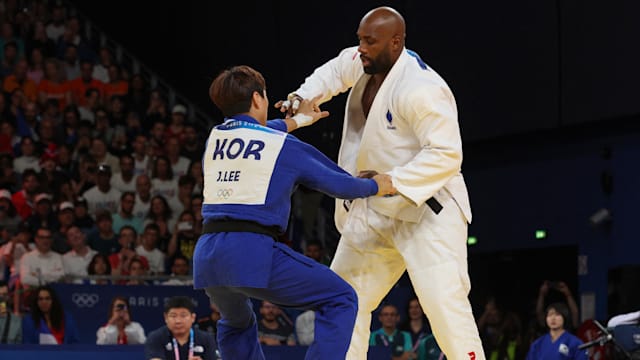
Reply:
x=380, y=65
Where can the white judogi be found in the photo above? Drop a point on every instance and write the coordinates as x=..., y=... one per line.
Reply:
x=411, y=133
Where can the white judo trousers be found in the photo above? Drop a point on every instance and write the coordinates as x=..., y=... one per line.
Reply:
x=375, y=250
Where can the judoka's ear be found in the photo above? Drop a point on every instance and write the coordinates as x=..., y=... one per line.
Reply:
x=396, y=42
x=257, y=100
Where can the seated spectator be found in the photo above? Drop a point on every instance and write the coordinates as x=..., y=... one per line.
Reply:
x=501, y=330
x=81, y=214
x=149, y=249
x=192, y=147
x=120, y=329
x=41, y=265
x=121, y=260
x=273, y=329
x=12, y=251
x=99, y=265
x=102, y=196
x=161, y=215
x=143, y=197
x=140, y=155
x=9, y=218
x=43, y=215
x=184, y=238
x=19, y=80
x=176, y=126
x=210, y=323
x=80, y=84
x=91, y=103
x=24, y=199
x=163, y=180
x=76, y=261
x=315, y=250
x=137, y=270
x=27, y=158
x=116, y=86
x=9, y=177
x=103, y=239
x=399, y=342
x=179, y=267
x=10, y=324
x=178, y=337
x=66, y=219
x=125, y=217
x=179, y=163
x=424, y=345
x=182, y=201
x=85, y=175
x=125, y=180
x=416, y=323
x=48, y=323
x=558, y=343
x=53, y=85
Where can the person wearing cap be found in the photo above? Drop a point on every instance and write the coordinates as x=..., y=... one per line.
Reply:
x=41, y=265
x=81, y=214
x=43, y=215
x=102, y=195
x=9, y=218
x=176, y=125
x=51, y=176
x=66, y=219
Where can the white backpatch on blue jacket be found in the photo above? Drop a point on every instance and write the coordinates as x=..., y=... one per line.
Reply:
x=232, y=150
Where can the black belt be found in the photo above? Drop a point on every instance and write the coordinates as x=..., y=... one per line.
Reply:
x=216, y=226
x=434, y=204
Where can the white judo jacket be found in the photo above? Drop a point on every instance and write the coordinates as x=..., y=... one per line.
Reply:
x=411, y=133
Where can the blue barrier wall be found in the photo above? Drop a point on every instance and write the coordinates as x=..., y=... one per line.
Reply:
x=89, y=304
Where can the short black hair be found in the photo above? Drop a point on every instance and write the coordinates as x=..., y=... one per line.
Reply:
x=562, y=309
x=179, y=302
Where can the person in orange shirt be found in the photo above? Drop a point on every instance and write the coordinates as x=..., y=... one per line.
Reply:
x=53, y=86
x=80, y=85
x=20, y=80
x=116, y=85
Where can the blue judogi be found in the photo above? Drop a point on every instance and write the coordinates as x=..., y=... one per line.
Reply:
x=565, y=347
x=250, y=173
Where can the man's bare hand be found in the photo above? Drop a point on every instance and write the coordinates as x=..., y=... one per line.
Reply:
x=385, y=186
x=367, y=174
x=309, y=112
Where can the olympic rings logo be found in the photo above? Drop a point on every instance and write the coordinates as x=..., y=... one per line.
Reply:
x=85, y=300
x=225, y=193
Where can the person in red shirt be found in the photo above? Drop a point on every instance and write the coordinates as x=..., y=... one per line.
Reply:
x=24, y=199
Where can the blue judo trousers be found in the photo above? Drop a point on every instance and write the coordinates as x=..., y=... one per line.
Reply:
x=250, y=172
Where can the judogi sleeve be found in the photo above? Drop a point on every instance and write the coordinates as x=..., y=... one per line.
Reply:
x=334, y=77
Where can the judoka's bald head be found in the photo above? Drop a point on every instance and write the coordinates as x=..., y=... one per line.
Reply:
x=387, y=20
x=381, y=34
